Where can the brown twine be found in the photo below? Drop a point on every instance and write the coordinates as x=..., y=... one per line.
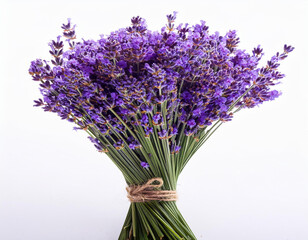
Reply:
x=150, y=192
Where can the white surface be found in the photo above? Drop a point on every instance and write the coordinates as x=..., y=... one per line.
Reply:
x=248, y=182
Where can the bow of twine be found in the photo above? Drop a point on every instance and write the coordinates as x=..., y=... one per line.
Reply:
x=150, y=191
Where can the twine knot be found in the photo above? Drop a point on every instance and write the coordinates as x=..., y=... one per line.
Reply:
x=150, y=191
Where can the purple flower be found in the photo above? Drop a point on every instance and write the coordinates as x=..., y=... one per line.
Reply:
x=148, y=131
x=38, y=103
x=288, y=49
x=174, y=131
x=146, y=108
x=144, y=165
x=135, y=144
x=119, y=144
x=163, y=134
x=191, y=123
x=274, y=94
x=197, y=112
x=122, y=64
x=177, y=149
x=186, y=96
x=156, y=118
x=144, y=119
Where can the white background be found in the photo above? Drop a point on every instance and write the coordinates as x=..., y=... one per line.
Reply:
x=249, y=181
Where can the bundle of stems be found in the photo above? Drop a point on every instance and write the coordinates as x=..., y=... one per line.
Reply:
x=156, y=219
x=150, y=100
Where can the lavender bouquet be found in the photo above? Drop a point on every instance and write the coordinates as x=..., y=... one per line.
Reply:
x=149, y=100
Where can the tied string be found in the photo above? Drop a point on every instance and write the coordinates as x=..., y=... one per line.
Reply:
x=150, y=192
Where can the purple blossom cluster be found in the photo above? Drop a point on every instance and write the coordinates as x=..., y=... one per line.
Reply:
x=135, y=83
